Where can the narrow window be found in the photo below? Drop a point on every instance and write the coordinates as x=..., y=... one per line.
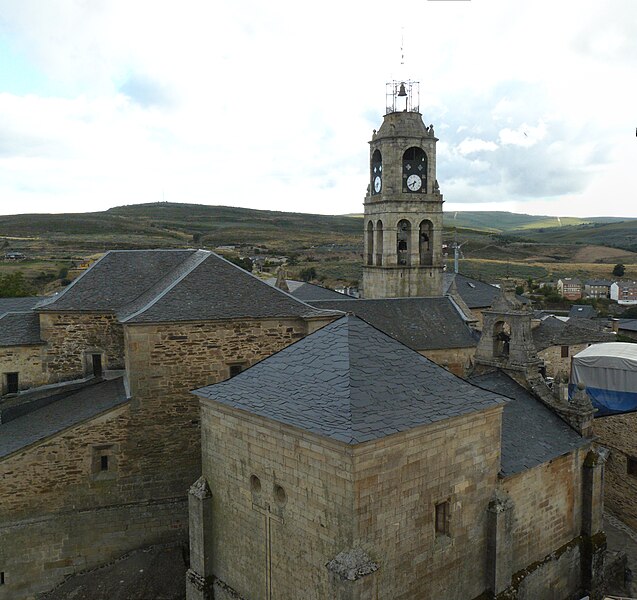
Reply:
x=370, y=243
x=403, y=242
x=103, y=463
x=379, y=243
x=96, y=360
x=235, y=370
x=631, y=466
x=12, y=383
x=1, y=577
x=442, y=518
x=564, y=351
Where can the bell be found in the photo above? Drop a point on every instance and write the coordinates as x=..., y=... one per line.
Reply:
x=401, y=92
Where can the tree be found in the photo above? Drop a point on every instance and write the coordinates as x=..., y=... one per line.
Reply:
x=13, y=285
x=307, y=274
x=244, y=263
x=619, y=270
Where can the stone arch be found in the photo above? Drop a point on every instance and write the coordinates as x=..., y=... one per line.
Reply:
x=501, y=339
x=369, y=240
x=425, y=242
x=403, y=242
x=378, y=247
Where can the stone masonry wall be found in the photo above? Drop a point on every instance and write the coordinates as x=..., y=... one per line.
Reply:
x=58, y=472
x=398, y=482
x=311, y=521
x=456, y=360
x=37, y=553
x=165, y=363
x=555, y=364
x=70, y=336
x=547, y=514
x=24, y=360
x=619, y=433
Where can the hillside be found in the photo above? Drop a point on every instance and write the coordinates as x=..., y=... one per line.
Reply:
x=494, y=244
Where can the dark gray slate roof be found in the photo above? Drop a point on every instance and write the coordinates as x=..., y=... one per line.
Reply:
x=308, y=291
x=71, y=410
x=554, y=332
x=582, y=311
x=117, y=279
x=475, y=293
x=628, y=324
x=531, y=433
x=20, y=329
x=18, y=304
x=352, y=383
x=214, y=288
x=420, y=323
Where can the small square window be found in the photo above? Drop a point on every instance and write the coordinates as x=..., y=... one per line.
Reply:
x=442, y=518
x=104, y=462
x=631, y=466
x=564, y=351
x=235, y=370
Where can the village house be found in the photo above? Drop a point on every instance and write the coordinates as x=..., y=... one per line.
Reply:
x=624, y=292
x=597, y=288
x=569, y=288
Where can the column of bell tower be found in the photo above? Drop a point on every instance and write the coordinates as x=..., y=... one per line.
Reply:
x=403, y=205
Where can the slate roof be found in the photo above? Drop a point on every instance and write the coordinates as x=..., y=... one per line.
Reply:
x=475, y=293
x=532, y=434
x=18, y=304
x=116, y=279
x=20, y=329
x=350, y=382
x=628, y=324
x=308, y=291
x=214, y=288
x=420, y=323
x=555, y=332
x=74, y=408
x=582, y=311
x=143, y=286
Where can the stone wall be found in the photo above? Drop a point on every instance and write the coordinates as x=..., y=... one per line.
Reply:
x=619, y=434
x=59, y=471
x=306, y=529
x=24, y=360
x=165, y=362
x=379, y=496
x=38, y=553
x=457, y=360
x=72, y=337
x=555, y=364
x=547, y=517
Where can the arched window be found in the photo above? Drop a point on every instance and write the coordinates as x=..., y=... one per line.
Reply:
x=425, y=243
x=501, y=339
x=414, y=171
x=379, y=243
x=370, y=243
x=376, y=173
x=403, y=242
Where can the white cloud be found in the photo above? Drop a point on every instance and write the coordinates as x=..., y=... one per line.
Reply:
x=472, y=145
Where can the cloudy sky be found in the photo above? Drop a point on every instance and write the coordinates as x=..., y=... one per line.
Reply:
x=270, y=105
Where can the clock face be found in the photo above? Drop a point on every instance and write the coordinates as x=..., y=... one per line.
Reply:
x=414, y=182
x=377, y=184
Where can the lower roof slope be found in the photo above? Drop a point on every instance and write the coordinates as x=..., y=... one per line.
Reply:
x=72, y=409
x=555, y=332
x=532, y=434
x=20, y=329
x=420, y=323
x=18, y=304
x=475, y=293
x=350, y=382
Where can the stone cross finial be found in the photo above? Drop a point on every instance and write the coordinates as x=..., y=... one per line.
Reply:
x=281, y=282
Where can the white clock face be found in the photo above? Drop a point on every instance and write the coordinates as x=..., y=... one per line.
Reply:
x=414, y=182
x=377, y=183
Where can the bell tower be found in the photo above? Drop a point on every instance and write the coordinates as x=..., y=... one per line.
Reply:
x=403, y=205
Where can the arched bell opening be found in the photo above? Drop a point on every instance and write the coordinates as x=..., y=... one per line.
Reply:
x=425, y=243
x=369, y=240
x=403, y=242
x=379, y=243
x=414, y=170
x=376, y=174
x=501, y=339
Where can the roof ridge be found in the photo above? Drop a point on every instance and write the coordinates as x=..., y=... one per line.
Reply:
x=160, y=289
